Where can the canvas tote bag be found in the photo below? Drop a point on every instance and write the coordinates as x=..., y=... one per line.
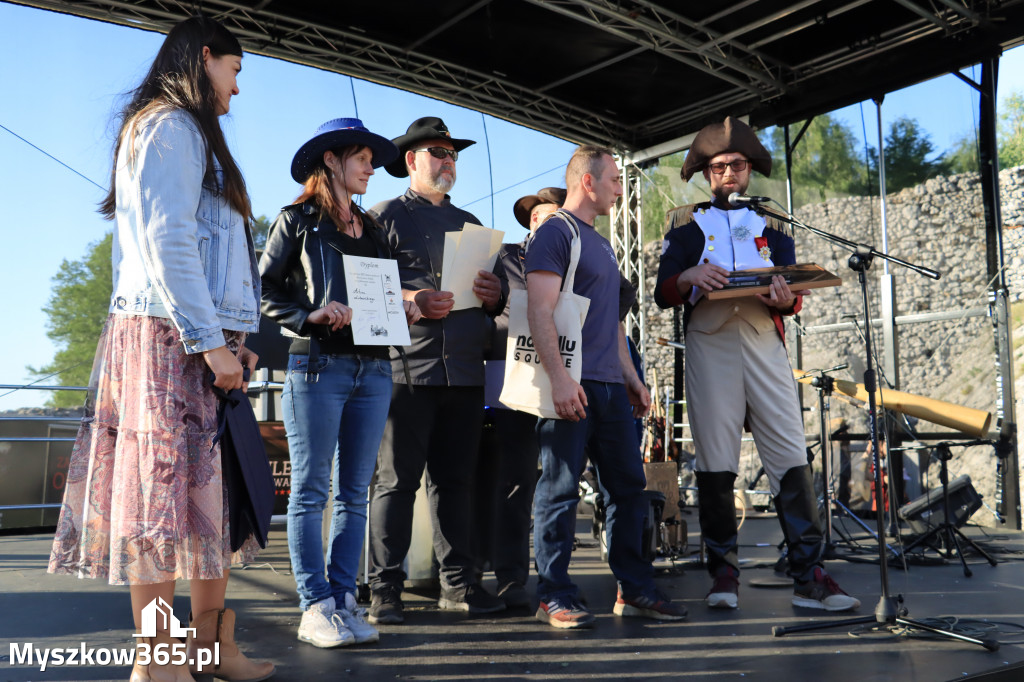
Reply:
x=527, y=387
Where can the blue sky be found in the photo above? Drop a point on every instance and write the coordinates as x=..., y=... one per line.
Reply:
x=61, y=77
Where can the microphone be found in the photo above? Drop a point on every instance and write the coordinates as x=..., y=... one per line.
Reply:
x=737, y=199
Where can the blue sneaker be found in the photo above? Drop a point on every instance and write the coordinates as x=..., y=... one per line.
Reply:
x=657, y=607
x=564, y=613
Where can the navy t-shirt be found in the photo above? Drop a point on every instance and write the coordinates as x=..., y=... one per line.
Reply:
x=597, y=278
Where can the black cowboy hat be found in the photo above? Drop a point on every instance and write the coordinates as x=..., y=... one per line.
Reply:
x=426, y=128
x=732, y=135
x=524, y=205
x=340, y=132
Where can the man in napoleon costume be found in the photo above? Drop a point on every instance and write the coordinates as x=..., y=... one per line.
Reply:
x=737, y=370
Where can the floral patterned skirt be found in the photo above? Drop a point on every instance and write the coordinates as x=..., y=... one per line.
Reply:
x=145, y=501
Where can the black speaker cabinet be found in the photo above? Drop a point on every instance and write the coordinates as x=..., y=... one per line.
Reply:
x=926, y=512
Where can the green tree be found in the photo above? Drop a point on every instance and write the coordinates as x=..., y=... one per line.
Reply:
x=1011, y=132
x=826, y=158
x=658, y=195
x=76, y=311
x=260, y=229
x=907, y=148
x=963, y=157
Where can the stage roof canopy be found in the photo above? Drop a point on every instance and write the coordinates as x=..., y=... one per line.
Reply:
x=634, y=74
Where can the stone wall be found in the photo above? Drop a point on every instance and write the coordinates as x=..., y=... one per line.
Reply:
x=939, y=224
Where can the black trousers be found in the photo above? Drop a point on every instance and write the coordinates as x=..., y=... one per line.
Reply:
x=437, y=428
x=506, y=478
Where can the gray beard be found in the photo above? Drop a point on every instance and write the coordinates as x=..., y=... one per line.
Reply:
x=442, y=184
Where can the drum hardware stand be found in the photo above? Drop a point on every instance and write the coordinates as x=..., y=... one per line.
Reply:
x=947, y=533
x=825, y=385
x=889, y=480
x=890, y=611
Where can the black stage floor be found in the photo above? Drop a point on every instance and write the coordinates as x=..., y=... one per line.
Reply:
x=52, y=611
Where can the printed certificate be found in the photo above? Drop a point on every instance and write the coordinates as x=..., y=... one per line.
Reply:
x=375, y=296
x=466, y=252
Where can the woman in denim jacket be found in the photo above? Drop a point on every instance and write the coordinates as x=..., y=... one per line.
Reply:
x=145, y=502
x=337, y=393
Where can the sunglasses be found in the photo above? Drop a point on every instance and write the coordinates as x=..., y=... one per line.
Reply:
x=738, y=166
x=439, y=152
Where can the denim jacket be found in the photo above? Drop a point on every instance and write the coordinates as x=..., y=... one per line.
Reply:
x=180, y=251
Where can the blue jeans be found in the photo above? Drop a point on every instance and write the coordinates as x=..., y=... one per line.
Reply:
x=339, y=418
x=608, y=436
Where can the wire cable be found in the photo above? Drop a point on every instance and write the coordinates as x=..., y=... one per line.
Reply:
x=48, y=376
x=264, y=564
x=1006, y=633
x=355, y=108
x=355, y=103
x=521, y=182
x=490, y=167
x=43, y=151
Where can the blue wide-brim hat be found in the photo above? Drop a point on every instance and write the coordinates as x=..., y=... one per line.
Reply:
x=340, y=132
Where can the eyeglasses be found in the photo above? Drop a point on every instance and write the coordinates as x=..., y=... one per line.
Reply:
x=739, y=165
x=440, y=152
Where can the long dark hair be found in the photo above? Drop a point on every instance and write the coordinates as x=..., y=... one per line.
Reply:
x=318, y=185
x=178, y=79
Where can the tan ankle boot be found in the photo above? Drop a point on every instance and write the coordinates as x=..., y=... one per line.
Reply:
x=160, y=673
x=218, y=627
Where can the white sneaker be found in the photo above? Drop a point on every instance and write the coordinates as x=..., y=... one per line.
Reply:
x=354, y=618
x=322, y=626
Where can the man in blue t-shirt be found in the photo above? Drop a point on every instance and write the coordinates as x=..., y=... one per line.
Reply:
x=596, y=414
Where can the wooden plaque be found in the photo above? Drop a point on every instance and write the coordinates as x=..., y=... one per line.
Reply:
x=758, y=280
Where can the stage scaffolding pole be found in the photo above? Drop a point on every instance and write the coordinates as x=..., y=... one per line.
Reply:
x=999, y=294
x=627, y=242
x=798, y=337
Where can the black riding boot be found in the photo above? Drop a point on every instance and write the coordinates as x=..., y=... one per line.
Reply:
x=782, y=564
x=717, y=513
x=797, y=509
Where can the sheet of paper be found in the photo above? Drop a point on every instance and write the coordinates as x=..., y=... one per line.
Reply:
x=375, y=296
x=465, y=254
x=451, y=245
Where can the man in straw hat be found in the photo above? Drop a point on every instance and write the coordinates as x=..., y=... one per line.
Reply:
x=596, y=413
x=436, y=426
x=737, y=369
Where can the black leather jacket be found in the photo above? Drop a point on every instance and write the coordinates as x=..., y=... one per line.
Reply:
x=301, y=268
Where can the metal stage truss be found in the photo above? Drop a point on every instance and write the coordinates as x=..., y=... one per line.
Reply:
x=627, y=241
x=640, y=76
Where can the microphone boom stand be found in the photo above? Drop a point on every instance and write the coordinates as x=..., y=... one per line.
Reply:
x=889, y=612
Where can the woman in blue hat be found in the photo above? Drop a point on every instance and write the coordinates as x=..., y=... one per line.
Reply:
x=336, y=393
